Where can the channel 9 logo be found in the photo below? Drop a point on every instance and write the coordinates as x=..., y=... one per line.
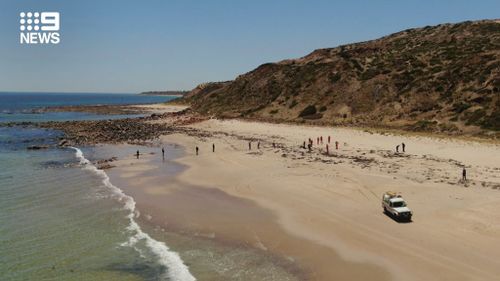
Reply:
x=39, y=28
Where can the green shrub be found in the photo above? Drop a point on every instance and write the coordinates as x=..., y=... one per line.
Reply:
x=309, y=110
x=475, y=118
x=460, y=107
x=492, y=122
x=369, y=74
x=334, y=77
x=313, y=116
x=424, y=125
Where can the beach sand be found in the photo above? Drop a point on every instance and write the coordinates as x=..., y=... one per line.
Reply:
x=160, y=108
x=322, y=213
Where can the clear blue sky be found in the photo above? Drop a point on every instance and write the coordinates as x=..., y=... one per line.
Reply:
x=133, y=46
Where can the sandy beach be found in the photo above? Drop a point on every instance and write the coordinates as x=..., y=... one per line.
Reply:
x=322, y=211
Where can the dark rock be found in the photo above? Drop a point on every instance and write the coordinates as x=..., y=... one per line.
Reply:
x=37, y=147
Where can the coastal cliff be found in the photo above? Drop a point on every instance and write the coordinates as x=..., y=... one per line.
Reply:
x=443, y=78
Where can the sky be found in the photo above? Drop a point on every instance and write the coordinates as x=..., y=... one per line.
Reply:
x=130, y=46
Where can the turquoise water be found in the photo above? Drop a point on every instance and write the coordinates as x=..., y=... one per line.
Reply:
x=61, y=219
x=56, y=223
x=19, y=107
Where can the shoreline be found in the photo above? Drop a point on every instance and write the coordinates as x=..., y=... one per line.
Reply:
x=163, y=212
x=170, y=260
x=210, y=213
x=346, y=220
x=333, y=200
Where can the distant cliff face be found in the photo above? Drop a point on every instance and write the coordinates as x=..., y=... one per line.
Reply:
x=440, y=78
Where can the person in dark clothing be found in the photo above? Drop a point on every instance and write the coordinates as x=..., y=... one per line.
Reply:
x=213, y=147
x=197, y=150
x=249, y=145
x=397, y=148
x=258, y=145
x=309, y=146
x=304, y=145
x=163, y=152
x=403, y=146
x=137, y=154
x=274, y=145
x=336, y=145
x=464, y=174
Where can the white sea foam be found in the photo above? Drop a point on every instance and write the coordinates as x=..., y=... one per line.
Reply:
x=175, y=267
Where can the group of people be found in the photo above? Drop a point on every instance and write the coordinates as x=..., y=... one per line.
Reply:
x=198, y=149
x=319, y=140
x=403, y=146
x=258, y=145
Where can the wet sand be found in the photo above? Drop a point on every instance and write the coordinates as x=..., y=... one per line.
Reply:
x=323, y=211
x=209, y=213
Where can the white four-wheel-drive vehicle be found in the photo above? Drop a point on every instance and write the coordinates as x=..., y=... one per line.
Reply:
x=395, y=206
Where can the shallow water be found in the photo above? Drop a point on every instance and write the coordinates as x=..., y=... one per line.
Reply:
x=60, y=219
x=168, y=216
x=18, y=107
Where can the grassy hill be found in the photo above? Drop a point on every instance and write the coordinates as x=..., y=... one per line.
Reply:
x=443, y=78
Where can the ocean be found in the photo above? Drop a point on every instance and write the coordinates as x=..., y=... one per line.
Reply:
x=61, y=218
x=17, y=107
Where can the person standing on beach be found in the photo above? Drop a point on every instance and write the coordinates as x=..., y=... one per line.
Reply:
x=464, y=175
x=137, y=154
x=397, y=148
x=258, y=145
x=197, y=150
x=304, y=145
x=336, y=145
x=327, y=150
x=328, y=139
x=309, y=146
x=163, y=152
x=249, y=145
x=403, y=146
x=213, y=147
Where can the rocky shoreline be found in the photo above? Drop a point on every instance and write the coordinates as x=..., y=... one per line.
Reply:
x=95, y=109
x=128, y=130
